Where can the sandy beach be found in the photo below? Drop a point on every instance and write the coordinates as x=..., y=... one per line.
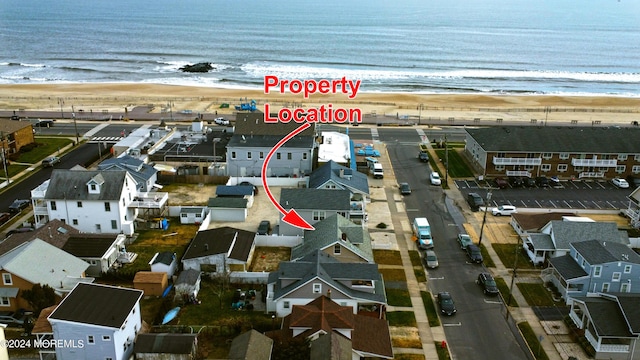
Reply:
x=114, y=97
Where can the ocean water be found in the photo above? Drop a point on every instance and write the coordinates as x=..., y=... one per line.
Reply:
x=428, y=46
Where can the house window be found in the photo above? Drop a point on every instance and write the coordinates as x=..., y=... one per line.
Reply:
x=233, y=154
x=249, y=155
x=107, y=206
x=605, y=287
x=499, y=167
x=288, y=156
x=183, y=215
x=622, y=156
x=528, y=167
x=562, y=167
x=625, y=288
x=603, y=169
x=79, y=204
x=6, y=279
x=500, y=155
x=93, y=187
x=319, y=215
x=261, y=155
x=621, y=169
x=304, y=156
x=278, y=156
x=286, y=305
x=75, y=221
x=635, y=169
x=54, y=207
x=317, y=288
x=337, y=249
x=578, y=168
x=98, y=227
x=114, y=224
x=90, y=339
x=563, y=156
x=198, y=215
x=616, y=276
x=636, y=157
x=584, y=263
x=4, y=301
x=597, y=271
x=106, y=338
x=545, y=167
x=547, y=156
x=627, y=269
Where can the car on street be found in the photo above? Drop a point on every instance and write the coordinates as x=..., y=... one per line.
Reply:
x=430, y=259
x=423, y=156
x=405, y=189
x=504, y=210
x=488, y=284
x=434, y=178
x=474, y=254
x=516, y=181
x=542, y=181
x=529, y=182
x=264, y=228
x=620, y=183
x=464, y=240
x=19, y=230
x=475, y=201
x=14, y=318
x=50, y=161
x=446, y=304
x=221, y=121
x=43, y=123
x=4, y=217
x=500, y=183
x=18, y=205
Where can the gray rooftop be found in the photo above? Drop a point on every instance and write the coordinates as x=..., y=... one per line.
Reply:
x=136, y=167
x=250, y=345
x=602, y=252
x=591, y=140
x=225, y=240
x=165, y=343
x=188, y=277
x=72, y=184
x=329, y=232
x=567, y=267
x=607, y=317
x=315, y=199
x=346, y=177
x=541, y=241
x=227, y=202
x=566, y=232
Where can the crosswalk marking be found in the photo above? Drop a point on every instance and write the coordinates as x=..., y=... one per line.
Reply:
x=105, y=139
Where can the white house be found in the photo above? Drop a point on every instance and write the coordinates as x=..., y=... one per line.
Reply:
x=94, y=201
x=220, y=250
x=100, y=251
x=97, y=322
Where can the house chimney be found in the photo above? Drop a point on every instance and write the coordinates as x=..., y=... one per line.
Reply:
x=344, y=237
x=329, y=293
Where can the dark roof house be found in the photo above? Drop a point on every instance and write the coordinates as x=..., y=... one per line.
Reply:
x=144, y=174
x=250, y=345
x=221, y=247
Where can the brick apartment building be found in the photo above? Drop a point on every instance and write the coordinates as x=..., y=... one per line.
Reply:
x=566, y=152
x=15, y=134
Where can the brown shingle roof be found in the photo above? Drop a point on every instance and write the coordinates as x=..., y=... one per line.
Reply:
x=253, y=124
x=535, y=222
x=42, y=325
x=55, y=232
x=11, y=126
x=149, y=277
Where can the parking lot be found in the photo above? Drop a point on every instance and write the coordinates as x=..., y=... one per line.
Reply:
x=578, y=195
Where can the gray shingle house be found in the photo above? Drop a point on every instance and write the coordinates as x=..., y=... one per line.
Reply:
x=339, y=237
x=334, y=176
x=253, y=139
x=220, y=250
x=313, y=205
x=144, y=174
x=595, y=266
x=358, y=285
x=611, y=324
x=555, y=237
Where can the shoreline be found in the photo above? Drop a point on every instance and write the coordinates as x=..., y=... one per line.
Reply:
x=115, y=96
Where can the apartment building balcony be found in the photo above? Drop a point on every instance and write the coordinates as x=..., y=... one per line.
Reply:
x=592, y=174
x=150, y=200
x=593, y=162
x=517, y=161
x=522, y=173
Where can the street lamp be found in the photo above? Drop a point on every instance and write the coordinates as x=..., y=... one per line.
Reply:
x=484, y=218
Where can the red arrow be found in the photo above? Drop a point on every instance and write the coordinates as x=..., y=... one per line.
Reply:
x=291, y=217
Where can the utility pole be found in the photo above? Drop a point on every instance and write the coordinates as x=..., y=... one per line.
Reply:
x=484, y=218
x=513, y=278
x=446, y=161
x=61, y=102
x=75, y=125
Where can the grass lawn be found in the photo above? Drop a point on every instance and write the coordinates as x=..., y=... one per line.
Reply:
x=457, y=166
x=398, y=297
x=443, y=353
x=414, y=255
x=387, y=257
x=430, y=309
x=13, y=170
x=537, y=295
x=401, y=318
x=393, y=275
x=504, y=291
x=532, y=339
x=508, y=252
x=152, y=241
x=421, y=276
x=46, y=146
x=486, y=259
